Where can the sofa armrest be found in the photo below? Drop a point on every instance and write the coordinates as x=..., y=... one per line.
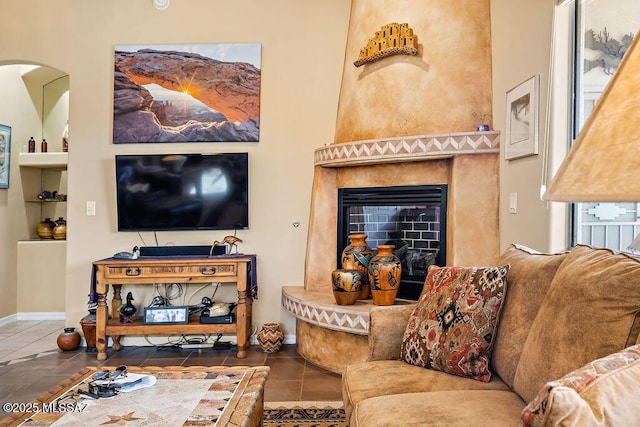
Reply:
x=386, y=329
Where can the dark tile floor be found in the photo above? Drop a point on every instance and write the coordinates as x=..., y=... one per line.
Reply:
x=291, y=377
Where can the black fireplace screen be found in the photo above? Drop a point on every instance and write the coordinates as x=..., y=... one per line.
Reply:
x=413, y=218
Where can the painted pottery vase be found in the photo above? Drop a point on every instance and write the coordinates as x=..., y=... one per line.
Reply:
x=270, y=337
x=68, y=340
x=356, y=256
x=60, y=230
x=347, y=285
x=44, y=229
x=385, y=270
x=88, y=324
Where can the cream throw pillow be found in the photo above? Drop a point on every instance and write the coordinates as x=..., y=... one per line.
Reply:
x=604, y=392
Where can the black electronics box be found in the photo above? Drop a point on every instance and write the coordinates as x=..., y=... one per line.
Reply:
x=181, y=250
x=226, y=319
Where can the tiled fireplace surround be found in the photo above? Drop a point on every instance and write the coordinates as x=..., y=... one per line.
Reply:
x=332, y=336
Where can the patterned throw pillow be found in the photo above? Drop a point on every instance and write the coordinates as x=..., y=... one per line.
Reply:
x=603, y=392
x=452, y=327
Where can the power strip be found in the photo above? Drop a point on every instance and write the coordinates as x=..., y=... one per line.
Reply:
x=196, y=345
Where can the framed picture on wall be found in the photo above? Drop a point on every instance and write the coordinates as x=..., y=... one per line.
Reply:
x=521, y=124
x=186, y=93
x=5, y=155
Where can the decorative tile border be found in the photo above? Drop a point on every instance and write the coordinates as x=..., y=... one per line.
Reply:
x=421, y=147
x=327, y=316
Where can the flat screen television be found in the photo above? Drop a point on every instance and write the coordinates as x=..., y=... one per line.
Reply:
x=157, y=192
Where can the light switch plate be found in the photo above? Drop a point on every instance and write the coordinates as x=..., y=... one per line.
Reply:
x=513, y=203
x=91, y=208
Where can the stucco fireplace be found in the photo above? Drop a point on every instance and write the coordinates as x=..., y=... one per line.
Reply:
x=463, y=165
x=402, y=121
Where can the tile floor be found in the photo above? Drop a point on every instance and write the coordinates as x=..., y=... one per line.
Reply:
x=30, y=364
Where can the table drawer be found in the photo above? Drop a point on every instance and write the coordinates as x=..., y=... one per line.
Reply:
x=169, y=271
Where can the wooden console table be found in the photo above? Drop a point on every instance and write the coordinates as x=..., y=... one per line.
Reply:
x=170, y=269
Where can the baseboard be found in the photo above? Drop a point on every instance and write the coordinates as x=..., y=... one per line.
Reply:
x=8, y=319
x=41, y=316
x=288, y=339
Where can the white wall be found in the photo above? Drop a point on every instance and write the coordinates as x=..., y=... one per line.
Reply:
x=521, y=41
x=18, y=110
x=302, y=53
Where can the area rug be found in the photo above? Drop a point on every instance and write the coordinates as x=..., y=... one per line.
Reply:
x=304, y=414
x=185, y=396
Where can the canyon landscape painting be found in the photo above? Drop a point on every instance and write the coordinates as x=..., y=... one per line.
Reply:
x=186, y=93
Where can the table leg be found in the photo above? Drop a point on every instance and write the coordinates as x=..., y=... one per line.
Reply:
x=101, y=326
x=242, y=328
x=116, y=342
x=116, y=302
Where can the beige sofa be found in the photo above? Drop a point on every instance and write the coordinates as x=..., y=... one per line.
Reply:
x=561, y=313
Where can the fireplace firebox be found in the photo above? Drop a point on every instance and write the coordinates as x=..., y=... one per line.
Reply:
x=413, y=218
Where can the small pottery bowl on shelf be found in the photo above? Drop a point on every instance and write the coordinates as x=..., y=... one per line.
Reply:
x=44, y=229
x=347, y=285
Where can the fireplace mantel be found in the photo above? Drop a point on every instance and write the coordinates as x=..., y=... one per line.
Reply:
x=407, y=148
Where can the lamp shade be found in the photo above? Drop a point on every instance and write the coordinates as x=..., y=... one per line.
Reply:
x=603, y=165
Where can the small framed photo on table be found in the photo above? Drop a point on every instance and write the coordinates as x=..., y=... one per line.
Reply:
x=166, y=315
x=521, y=124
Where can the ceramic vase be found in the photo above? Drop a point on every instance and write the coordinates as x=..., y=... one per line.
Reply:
x=88, y=324
x=60, y=230
x=44, y=229
x=68, y=340
x=347, y=285
x=270, y=337
x=356, y=256
x=385, y=270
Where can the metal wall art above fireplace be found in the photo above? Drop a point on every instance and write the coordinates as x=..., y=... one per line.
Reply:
x=413, y=218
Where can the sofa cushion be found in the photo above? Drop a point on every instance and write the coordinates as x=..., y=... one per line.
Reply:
x=590, y=311
x=528, y=281
x=452, y=327
x=364, y=380
x=463, y=408
x=602, y=393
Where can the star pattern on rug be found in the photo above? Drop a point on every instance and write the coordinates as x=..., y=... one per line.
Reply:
x=115, y=419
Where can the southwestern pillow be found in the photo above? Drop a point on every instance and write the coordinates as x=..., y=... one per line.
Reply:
x=452, y=327
x=603, y=392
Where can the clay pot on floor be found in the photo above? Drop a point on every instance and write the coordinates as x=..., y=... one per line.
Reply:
x=356, y=256
x=270, y=337
x=88, y=324
x=385, y=270
x=68, y=340
x=347, y=285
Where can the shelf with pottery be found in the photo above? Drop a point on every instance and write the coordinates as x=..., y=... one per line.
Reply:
x=41, y=173
x=41, y=289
